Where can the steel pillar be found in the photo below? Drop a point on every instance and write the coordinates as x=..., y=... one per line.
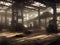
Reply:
x=14, y=14
x=54, y=16
x=39, y=16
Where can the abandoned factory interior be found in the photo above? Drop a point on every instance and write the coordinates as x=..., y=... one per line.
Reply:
x=29, y=22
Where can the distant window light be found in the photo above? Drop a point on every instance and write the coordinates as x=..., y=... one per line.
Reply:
x=38, y=4
x=51, y=11
x=25, y=26
x=9, y=23
x=8, y=4
x=9, y=12
x=3, y=8
x=58, y=18
x=58, y=10
x=41, y=13
x=29, y=7
x=27, y=17
x=26, y=11
x=43, y=5
x=51, y=18
x=9, y=19
x=5, y=3
x=1, y=2
x=19, y=20
x=2, y=11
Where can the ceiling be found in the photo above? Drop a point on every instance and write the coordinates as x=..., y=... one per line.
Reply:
x=46, y=2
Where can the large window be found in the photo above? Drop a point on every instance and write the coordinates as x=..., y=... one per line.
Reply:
x=30, y=14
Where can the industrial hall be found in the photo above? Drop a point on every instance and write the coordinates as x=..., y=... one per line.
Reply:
x=29, y=22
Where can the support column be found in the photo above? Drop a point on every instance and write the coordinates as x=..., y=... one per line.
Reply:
x=39, y=16
x=1, y=19
x=14, y=14
x=22, y=16
x=54, y=16
x=21, y=9
x=5, y=17
x=45, y=22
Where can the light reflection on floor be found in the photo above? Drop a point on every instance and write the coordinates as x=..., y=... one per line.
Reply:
x=34, y=37
x=8, y=34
